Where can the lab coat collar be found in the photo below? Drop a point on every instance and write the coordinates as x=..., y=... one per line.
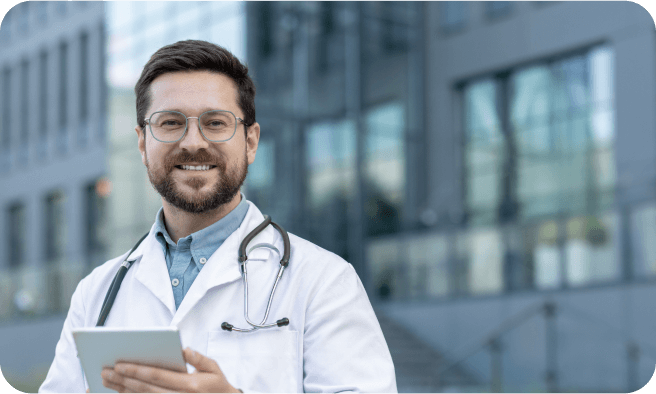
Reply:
x=221, y=268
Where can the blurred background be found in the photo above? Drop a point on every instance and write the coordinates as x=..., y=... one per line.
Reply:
x=489, y=169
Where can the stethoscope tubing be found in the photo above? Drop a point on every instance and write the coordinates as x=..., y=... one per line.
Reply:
x=110, y=297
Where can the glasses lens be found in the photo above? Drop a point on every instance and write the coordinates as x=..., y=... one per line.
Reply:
x=218, y=125
x=168, y=126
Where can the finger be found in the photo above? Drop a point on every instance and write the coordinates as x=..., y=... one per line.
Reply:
x=200, y=362
x=158, y=378
x=124, y=384
x=113, y=386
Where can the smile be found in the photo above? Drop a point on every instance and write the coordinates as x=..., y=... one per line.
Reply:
x=195, y=168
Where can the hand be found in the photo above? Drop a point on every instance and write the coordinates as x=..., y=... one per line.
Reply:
x=135, y=378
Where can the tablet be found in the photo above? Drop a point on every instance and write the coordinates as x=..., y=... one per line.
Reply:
x=99, y=347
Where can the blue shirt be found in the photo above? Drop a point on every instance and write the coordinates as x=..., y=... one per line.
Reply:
x=185, y=260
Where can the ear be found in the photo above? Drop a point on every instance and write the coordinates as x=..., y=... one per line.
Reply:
x=141, y=143
x=252, y=140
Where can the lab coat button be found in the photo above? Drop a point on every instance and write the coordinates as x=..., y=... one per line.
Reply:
x=203, y=260
x=175, y=282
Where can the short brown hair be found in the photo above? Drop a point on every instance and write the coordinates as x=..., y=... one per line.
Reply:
x=195, y=55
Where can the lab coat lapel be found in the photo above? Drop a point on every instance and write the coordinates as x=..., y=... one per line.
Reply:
x=223, y=266
x=152, y=272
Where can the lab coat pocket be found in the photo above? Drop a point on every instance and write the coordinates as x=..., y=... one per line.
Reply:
x=263, y=360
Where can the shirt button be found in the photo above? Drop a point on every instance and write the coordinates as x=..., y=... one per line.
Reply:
x=175, y=282
x=203, y=260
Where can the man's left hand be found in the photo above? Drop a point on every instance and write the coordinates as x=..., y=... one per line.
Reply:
x=135, y=378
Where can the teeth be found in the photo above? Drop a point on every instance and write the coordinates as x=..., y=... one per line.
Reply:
x=196, y=168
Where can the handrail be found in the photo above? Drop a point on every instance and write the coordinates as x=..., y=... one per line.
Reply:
x=547, y=307
x=505, y=326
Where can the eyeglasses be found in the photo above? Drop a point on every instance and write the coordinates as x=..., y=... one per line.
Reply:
x=171, y=126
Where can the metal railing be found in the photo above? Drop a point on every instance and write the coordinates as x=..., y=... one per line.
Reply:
x=549, y=310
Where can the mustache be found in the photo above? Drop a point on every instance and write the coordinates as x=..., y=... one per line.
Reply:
x=201, y=157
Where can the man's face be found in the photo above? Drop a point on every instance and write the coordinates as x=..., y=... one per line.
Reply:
x=197, y=191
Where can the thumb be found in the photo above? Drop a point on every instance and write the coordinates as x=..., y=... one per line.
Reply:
x=200, y=362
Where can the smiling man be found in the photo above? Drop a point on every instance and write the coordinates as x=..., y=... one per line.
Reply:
x=197, y=135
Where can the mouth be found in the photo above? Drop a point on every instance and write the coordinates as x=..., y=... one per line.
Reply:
x=195, y=168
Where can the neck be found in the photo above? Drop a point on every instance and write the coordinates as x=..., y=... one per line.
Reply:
x=180, y=224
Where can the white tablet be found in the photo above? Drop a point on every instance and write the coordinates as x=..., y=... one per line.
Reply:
x=99, y=347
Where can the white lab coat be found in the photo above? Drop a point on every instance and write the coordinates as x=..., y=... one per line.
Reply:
x=332, y=343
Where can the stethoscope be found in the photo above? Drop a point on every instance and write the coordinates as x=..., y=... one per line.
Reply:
x=125, y=266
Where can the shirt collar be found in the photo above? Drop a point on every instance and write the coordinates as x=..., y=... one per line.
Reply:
x=205, y=242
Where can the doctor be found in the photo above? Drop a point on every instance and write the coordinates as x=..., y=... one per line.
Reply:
x=186, y=271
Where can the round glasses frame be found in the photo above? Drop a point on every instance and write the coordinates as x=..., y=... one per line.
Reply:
x=200, y=127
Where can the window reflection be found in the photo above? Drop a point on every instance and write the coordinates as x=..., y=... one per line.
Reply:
x=16, y=230
x=331, y=162
x=546, y=255
x=555, y=162
x=386, y=268
x=384, y=167
x=55, y=229
x=261, y=173
x=484, y=150
x=485, y=265
x=428, y=265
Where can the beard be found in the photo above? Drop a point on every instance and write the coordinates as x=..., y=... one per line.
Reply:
x=226, y=186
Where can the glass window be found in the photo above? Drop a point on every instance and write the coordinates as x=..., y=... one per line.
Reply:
x=55, y=228
x=428, y=265
x=386, y=268
x=545, y=254
x=261, y=174
x=330, y=158
x=574, y=251
x=265, y=21
x=43, y=95
x=485, y=265
x=24, y=103
x=95, y=220
x=592, y=250
x=395, y=24
x=485, y=150
x=384, y=167
x=6, y=108
x=452, y=15
x=331, y=162
x=562, y=119
x=84, y=76
x=63, y=86
x=16, y=235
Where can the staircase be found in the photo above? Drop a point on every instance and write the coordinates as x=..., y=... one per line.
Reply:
x=416, y=363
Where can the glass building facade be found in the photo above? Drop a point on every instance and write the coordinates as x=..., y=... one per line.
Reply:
x=469, y=160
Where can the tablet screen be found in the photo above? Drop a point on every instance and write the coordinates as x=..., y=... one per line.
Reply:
x=100, y=347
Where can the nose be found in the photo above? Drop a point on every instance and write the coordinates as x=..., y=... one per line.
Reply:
x=193, y=139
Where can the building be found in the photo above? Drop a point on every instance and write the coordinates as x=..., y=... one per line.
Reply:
x=53, y=141
x=487, y=167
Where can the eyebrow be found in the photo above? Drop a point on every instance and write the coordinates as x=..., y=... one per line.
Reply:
x=202, y=110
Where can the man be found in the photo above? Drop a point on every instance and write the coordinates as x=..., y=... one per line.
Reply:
x=197, y=135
